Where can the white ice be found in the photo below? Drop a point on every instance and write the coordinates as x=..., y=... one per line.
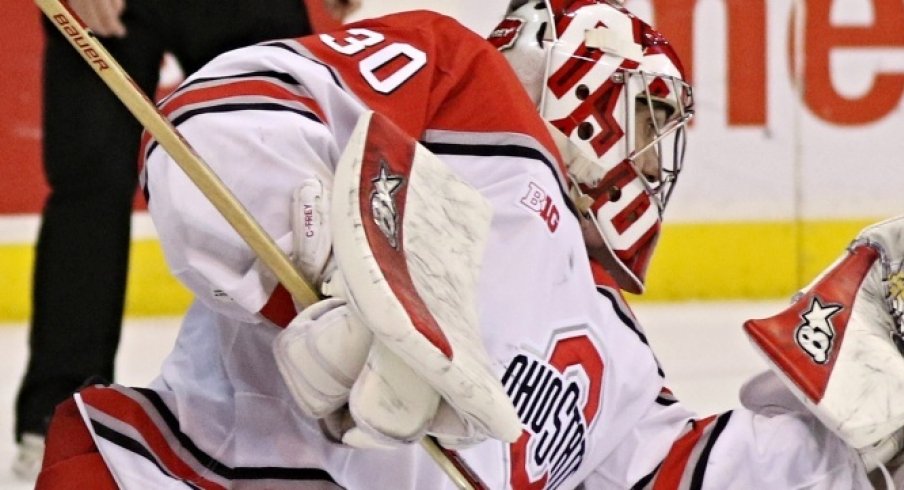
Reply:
x=701, y=347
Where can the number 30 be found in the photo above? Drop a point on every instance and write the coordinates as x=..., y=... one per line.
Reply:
x=361, y=39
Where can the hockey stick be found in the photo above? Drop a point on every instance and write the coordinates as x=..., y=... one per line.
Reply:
x=116, y=78
x=197, y=170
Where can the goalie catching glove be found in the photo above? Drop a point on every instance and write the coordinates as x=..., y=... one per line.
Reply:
x=364, y=394
x=838, y=346
x=399, y=342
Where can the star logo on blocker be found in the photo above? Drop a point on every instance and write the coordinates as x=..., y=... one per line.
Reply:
x=820, y=314
x=382, y=203
x=816, y=335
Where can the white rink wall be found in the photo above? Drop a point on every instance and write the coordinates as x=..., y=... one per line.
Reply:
x=801, y=144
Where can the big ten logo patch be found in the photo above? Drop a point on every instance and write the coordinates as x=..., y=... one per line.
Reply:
x=537, y=200
x=557, y=397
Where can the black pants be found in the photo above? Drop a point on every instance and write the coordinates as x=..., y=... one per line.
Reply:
x=90, y=160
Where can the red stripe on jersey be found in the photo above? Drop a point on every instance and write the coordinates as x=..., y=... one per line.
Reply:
x=280, y=309
x=672, y=469
x=602, y=277
x=130, y=412
x=142, y=152
x=238, y=88
x=666, y=396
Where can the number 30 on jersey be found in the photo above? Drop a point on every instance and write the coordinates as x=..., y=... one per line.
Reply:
x=358, y=40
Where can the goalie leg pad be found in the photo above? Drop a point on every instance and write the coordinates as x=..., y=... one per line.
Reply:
x=834, y=347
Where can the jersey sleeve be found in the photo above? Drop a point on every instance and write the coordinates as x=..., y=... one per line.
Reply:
x=670, y=449
x=261, y=133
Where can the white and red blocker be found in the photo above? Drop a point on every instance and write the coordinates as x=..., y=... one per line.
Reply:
x=409, y=238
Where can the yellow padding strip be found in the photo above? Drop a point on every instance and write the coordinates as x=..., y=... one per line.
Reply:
x=151, y=290
x=715, y=261
x=15, y=281
x=711, y=261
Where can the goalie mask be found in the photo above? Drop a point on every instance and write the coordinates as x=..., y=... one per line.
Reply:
x=614, y=90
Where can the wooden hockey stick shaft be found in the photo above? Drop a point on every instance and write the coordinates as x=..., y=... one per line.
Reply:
x=121, y=83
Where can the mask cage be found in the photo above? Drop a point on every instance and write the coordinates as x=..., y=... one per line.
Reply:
x=669, y=142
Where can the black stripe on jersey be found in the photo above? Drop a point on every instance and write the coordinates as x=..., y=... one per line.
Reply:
x=275, y=75
x=143, y=182
x=628, y=321
x=234, y=107
x=643, y=482
x=282, y=45
x=133, y=446
x=518, y=151
x=240, y=106
x=239, y=472
x=700, y=467
x=665, y=401
x=624, y=317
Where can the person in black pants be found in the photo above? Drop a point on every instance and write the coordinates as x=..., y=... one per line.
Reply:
x=90, y=152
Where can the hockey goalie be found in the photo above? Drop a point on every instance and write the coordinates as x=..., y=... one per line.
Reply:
x=471, y=212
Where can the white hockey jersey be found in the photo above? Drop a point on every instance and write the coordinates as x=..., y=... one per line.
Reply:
x=567, y=349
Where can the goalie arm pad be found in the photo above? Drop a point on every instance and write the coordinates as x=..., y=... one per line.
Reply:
x=834, y=347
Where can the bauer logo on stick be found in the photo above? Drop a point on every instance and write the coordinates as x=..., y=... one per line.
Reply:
x=78, y=39
x=815, y=336
x=383, y=204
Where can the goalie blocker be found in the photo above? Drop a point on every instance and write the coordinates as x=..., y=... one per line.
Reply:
x=408, y=240
x=838, y=346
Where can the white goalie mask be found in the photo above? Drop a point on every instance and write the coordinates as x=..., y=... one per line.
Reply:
x=614, y=87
